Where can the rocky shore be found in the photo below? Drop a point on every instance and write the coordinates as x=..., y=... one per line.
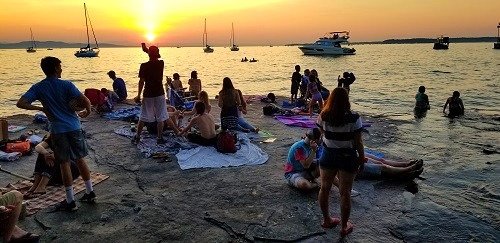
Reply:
x=148, y=200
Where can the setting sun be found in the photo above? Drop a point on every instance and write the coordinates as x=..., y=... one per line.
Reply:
x=150, y=37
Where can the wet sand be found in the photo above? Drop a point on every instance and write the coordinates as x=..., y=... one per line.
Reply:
x=147, y=201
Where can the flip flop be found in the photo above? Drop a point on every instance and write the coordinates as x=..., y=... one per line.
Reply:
x=348, y=230
x=335, y=222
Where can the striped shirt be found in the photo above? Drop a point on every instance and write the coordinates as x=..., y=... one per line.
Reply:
x=341, y=136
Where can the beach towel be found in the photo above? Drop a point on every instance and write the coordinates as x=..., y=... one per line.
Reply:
x=14, y=128
x=375, y=153
x=54, y=194
x=148, y=146
x=298, y=121
x=208, y=157
x=10, y=156
x=305, y=121
x=124, y=114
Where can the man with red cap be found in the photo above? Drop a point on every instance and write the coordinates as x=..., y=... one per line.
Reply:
x=154, y=106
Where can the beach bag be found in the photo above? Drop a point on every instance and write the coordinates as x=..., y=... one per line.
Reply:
x=98, y=100
x=23, y=147
x=226, y=142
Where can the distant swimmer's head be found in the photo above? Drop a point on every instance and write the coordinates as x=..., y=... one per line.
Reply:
x=51, y=66
x=297, y=68
x=421, y=89
x=194, y=74
x=314, y=72
x=176, y=76
x=154, y=52
x=456, y=94
x=346, y=74
x=307, y=72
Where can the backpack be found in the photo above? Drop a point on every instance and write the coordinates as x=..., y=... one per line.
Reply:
x=23, y=147
x=226, y=142
x=99, y=100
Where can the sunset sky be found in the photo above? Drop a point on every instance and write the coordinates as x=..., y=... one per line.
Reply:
x=256, y=22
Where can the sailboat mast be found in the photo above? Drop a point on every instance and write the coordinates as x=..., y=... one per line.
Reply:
x=232, y=33
x=205, y=36
x=87, y=25
x=32, y=39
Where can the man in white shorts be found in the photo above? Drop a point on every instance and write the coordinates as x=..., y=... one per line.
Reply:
x=154, y=106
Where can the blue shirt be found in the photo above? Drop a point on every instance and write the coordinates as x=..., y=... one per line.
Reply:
x=120, y=88
x=55, y=95
x=299, y=151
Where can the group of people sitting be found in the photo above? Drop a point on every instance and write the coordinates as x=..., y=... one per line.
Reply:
x=455, y=104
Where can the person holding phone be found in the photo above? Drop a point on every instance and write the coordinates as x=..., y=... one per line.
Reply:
x=153, y=106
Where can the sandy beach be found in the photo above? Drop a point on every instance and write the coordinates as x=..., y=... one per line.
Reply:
x=146, y=200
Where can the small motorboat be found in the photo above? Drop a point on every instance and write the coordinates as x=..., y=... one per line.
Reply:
x=442, y=43
x=253, y=60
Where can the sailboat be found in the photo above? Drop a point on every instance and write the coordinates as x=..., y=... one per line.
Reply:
x=32, y=48
x=207, y=48
x=234, y=47
x=88, y=51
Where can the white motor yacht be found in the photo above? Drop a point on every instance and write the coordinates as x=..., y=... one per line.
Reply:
x=330, y=44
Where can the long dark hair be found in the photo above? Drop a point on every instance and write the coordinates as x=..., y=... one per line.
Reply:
x=227, y=84
x=336, y=107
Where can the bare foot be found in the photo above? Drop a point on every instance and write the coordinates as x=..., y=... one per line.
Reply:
x=330, y=222
x=347, y=230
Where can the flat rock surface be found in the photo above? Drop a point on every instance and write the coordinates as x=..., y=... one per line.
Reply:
x=145, y=200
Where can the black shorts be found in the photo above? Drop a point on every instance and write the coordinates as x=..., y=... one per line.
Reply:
x=345, y=159
x=69, y=146
x=198, y=139
x=294, y=89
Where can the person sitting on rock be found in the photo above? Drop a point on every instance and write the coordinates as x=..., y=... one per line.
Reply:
x=46, y=171
x=205, y=125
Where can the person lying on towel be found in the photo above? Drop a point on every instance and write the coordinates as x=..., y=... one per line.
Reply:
x=205, y=124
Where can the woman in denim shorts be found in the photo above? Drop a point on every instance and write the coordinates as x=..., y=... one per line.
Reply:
x=342, y=156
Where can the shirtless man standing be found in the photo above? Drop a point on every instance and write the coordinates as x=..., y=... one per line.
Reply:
x=205, y=124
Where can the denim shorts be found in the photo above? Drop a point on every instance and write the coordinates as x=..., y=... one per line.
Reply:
x=69, y=146
x=344, y=159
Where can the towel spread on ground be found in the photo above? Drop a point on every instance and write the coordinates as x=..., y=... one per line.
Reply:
x=148, y=146
x=208, y=157
x=125, y=114
x=9, y=156
x=55, y=194
x=14, y=128
x=306, y=121
x=298, y=121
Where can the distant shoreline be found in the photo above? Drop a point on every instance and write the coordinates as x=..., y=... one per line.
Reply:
x=60, y=44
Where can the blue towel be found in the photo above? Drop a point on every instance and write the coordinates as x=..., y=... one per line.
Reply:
x=126, y=114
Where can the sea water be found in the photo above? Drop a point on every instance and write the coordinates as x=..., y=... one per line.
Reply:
x=461, y=193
